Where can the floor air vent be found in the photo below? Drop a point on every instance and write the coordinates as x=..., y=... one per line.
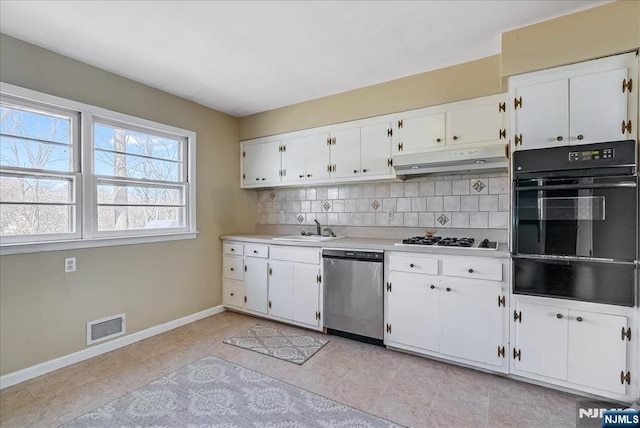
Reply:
x=106, y=328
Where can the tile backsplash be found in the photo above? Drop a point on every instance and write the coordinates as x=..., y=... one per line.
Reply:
x=453, y=201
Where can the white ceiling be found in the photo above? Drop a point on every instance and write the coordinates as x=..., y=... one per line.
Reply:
x=244, y=57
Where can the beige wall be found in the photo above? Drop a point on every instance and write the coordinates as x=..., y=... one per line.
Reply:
x=43, y=312
x=605, y=30
x=469, y=80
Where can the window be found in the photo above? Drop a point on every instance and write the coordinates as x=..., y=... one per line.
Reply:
x=73, y=175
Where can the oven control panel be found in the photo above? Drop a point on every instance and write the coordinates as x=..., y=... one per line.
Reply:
x=591, y=155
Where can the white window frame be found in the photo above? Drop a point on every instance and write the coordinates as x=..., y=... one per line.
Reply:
x=87, y=235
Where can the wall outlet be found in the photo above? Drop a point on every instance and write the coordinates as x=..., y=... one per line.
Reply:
x=69, y=264
x=390, y=214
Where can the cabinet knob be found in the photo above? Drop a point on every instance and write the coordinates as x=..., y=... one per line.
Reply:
x=412, y=265
x=233, y=249
x=301, y=176
x=559, y=316
x=559, y=138
x=580, y=137
x=232, y=294
x=232, y=269
x=470, y=270
x=355, y=171
x=438, y=140
x=365, y=170
x=255, y=251
x=257, y=179
x=432, y=286
x=308, y=175
x=263, y=178
x=579, y=319
x=448, y=289
x=455, y=137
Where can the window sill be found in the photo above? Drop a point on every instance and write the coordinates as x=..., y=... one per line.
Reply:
x=40, y=247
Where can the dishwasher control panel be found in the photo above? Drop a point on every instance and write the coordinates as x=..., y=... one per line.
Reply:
x=374, y=256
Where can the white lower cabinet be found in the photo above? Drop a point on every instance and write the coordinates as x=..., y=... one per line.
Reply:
x=413, y=310
x=572, y=347
x=440, y=315
x=472, y=320
x=255, y=284
x=279, y=282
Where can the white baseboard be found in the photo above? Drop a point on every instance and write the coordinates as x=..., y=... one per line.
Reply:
x=66, y=360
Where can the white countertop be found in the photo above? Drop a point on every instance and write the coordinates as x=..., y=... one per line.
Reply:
x=374, y=244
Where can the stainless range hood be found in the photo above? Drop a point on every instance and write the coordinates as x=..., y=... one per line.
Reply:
x=452, y=161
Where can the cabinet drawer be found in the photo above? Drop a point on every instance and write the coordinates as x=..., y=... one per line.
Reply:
x=232, y=293
x=413, y=264
x=232, y=268
x=296, y=254
x=233, y=249
x=472, y=269
x=256, y=250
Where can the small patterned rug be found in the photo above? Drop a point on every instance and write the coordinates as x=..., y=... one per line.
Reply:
x=216, y=393
x=287, y=346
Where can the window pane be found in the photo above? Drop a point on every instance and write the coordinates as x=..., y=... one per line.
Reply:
x=42, y=126
x=124, y=140
x=32, y=189
x=139, y=195
x=131, y=218
x=121, y=165
x=20, y=153
x=35, y=219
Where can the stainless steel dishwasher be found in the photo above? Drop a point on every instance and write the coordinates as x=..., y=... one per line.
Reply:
x=353, y=294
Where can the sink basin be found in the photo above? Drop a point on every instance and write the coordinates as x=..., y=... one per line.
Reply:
x=306, y=238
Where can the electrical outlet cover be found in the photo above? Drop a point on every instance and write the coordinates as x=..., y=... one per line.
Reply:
x=70, y=264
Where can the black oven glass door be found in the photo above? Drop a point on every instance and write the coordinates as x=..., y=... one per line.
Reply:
x=584, y=217
x=598, y=282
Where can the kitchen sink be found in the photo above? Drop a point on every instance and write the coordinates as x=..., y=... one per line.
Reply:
x=306, y=238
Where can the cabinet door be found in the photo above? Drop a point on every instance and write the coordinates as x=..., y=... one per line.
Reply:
x=475, y=124
x=281, y=289
x=419, y=133
x=597, y=353
x=471, y=320
x=543, y=118
x=413, y=311
x=345, y=153
x=375, y=149
x=232, y=293
x=293, y=160
x=317, y=157
x=261, y=164
x=541, y=339
x=255, y=284
x=597, y=108
x=306, y=294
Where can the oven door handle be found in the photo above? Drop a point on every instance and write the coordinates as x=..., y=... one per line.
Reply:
x=577, y=186
x=551, y=258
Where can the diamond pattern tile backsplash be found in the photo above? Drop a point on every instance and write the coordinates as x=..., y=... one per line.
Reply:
x=467, y=201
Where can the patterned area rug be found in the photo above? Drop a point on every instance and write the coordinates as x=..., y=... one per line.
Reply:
x=215, y=393
x=287, y=346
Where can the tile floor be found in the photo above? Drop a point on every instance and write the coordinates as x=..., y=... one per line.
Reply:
x=406, y=389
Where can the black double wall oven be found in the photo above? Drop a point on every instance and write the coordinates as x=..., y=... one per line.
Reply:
x=575, y=222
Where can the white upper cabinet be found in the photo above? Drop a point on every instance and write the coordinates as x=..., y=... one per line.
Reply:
x=305, y=158
x=582, y=103
x=418, y=131
x=591, y=122
x=477, y=123
x=375, y=149
x=345, y=153
x=261, y=164
x=474, y=122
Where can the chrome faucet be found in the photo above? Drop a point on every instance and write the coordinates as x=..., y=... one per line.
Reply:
x=330, y=232
x=318, y=227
